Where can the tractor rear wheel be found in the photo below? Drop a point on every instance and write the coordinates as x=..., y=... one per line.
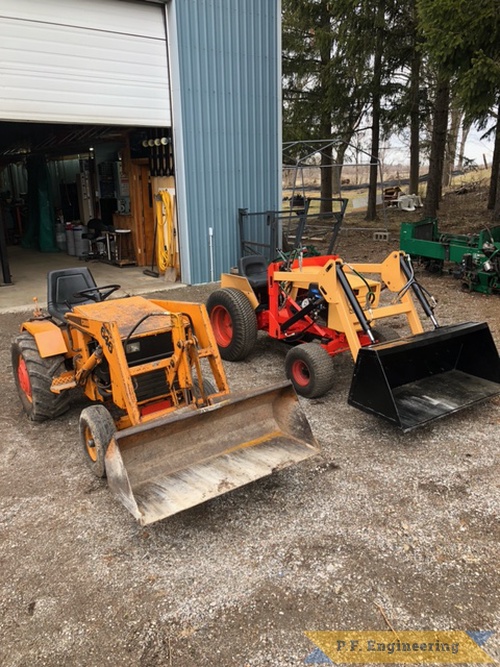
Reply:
x=234, y=323
x=310, y=369
x=96, y=430
x=33, y=377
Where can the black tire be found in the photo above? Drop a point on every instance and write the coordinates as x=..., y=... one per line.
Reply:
x=234, y=323
x=310, y=369
x=33, y=377
x=208, y=388
x=96, y=430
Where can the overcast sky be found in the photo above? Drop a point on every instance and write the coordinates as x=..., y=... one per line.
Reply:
x=394, y=152
x=475, y=148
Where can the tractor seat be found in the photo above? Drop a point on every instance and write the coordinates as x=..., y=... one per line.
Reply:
x=254, y=268
x=62, y=285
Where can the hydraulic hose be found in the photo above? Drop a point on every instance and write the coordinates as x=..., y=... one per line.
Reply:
x=417, y=290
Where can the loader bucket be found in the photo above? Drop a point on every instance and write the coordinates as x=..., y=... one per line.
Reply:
x=166, y=466
x=415, y=380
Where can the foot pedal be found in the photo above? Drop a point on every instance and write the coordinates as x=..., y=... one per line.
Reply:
x=62, y=382
x=380, y=236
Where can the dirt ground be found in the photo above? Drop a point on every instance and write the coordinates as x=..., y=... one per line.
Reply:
x=381, y=528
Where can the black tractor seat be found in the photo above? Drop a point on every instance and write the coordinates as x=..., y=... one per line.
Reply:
x=63, y=284
x=254, y=268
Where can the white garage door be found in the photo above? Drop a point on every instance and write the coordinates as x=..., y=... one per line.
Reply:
x=86, y=61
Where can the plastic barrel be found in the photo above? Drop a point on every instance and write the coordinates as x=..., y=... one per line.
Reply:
x=60, y=237
x=70, y=240
x=82, y=246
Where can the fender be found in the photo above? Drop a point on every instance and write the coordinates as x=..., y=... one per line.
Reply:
x=48, y=337
x=240, y=283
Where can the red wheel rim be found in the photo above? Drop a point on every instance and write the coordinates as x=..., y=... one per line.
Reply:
x=24, y=379
x=300, y=373
x=222, y=326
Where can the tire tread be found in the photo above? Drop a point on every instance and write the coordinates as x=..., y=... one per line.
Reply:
x=45, y=404
x=321, y=367
x=244, y=322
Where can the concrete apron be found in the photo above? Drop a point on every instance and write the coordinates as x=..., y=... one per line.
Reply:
x=29, y=268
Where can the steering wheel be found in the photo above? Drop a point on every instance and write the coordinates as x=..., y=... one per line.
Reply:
x=97, y=293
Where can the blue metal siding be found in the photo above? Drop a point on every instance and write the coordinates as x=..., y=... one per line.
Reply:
x=227, y=55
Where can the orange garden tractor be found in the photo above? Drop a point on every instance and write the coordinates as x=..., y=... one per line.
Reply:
x=323, y=306
x=162, y=424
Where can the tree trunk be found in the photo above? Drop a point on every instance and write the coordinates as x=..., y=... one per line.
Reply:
x=337, y=178
x=371, y=213
x=415, y=117
x=337, y=169
x=463, y=139
x=326, y=180
x=495, y=169
x=496, y=210
x=451, y=146
x=438, y=146
x=325, y=112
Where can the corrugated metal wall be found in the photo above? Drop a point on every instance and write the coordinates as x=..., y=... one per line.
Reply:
x=225, y=67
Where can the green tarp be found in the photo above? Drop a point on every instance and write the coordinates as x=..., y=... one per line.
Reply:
x=40, y=230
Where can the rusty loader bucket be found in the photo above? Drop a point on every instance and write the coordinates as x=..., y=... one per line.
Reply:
x=415, y=380
x=164, y=467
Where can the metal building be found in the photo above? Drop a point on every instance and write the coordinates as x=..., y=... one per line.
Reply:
x=225, y=64
x=208, y=71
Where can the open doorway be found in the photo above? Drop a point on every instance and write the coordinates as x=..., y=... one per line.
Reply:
x=64, y=187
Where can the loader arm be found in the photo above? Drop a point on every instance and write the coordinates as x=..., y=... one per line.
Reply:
x=352, y=294
x=206, y=345
x=175, y=338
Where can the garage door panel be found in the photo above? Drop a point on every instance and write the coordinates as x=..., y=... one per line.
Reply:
x=55, y=73
x=85, y=109
x=62, y=49
x=138, y=18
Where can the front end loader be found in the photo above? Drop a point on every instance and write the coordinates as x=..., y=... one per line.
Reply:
x=323, y=306
x=162, y=426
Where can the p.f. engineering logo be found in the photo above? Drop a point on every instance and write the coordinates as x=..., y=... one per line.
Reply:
x=405, y=647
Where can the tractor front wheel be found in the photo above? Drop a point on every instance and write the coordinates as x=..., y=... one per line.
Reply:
x=33, y=378
x=206, y=389
x=310, y=369
x=96, y=430
x=234, y=323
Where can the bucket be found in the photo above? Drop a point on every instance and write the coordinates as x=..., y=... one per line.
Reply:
x=416, y=380
x=160, y=468
x=70, y=240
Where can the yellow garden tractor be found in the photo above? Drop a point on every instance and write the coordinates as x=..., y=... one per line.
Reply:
x=323, y=306
x=162, y=425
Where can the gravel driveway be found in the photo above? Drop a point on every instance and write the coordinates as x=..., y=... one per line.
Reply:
x=381, y=528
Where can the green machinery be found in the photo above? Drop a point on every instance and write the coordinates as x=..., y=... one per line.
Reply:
x=476, y=255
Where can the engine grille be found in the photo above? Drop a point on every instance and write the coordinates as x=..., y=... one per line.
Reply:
x=150, y=385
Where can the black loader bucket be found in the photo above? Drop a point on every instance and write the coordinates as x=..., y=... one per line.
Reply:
x=415, y=380
x=164, y=467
